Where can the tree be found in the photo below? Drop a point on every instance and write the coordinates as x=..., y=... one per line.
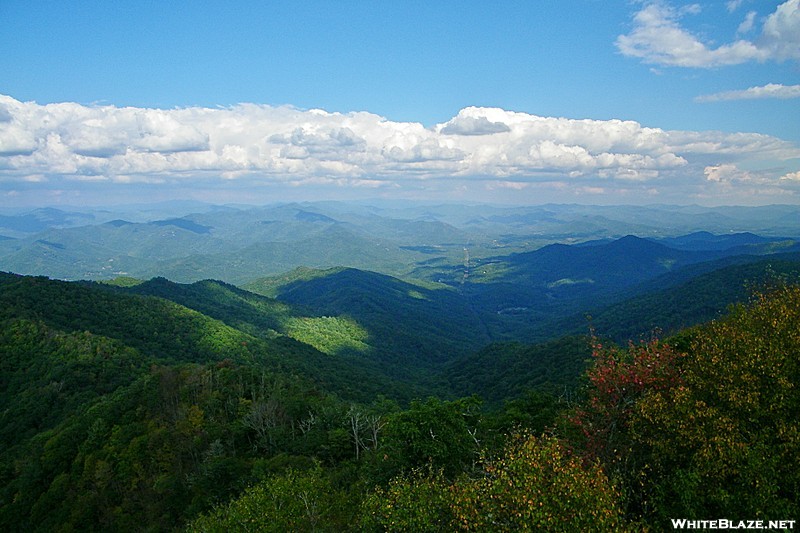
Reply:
x=433, y=432
x=536, y=484
x=293, y=501
x=600, y=426
x=713, y=431
x=726, y=442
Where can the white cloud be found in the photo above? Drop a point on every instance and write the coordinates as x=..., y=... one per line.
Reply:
x=725, y=173
x=771, y=90
x=467, y=125
x=16, y=141
x=747, y=24
x=659, y=38
x=258, y=144
x=5, y=114
x=791, y=176
x=731, y=175
x=513, y=185
x=733, y=5
x=781, y=32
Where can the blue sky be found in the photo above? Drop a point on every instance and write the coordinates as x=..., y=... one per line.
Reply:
x=522, y=102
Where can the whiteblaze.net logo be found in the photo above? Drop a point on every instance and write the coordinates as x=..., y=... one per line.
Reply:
x=723, y=523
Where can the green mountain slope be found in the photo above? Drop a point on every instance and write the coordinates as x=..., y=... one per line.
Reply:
x=265, y=317
x=172, y=333
x=410, y=325
x=504, y=371
x=530, y=300
x=689, y=296
x=97, y=435
x=127, y=411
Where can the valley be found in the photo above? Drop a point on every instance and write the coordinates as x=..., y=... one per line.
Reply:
x=163, y=367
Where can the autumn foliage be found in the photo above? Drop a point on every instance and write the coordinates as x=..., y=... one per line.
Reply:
x=711, y=430
x=617, y=380
x=126, y=433
x=726, y=442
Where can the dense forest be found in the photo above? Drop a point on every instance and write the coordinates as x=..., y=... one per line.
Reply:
x=159, y=406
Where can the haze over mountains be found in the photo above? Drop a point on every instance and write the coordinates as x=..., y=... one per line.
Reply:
x=190, y=242
x=490, y=273
x=348, y=266
x=422, y=294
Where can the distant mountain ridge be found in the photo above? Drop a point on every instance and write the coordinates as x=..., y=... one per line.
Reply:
x=705, y=240
x=407, y=331
x=191, y=241
x=421, y=284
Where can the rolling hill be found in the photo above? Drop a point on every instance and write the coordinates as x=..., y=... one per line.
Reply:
x=239, y=244
x=166, y=331
x=409, y=324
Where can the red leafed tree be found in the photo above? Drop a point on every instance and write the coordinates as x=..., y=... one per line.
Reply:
x=600, y=426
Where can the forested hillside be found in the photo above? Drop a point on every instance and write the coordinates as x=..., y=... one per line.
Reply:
x=122, y=411
x=416, y=325
x=162, y=405
x=701, y=425
x=417, y=368
x=680, y=299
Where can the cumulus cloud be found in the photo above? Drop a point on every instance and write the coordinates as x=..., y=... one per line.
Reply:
x=261, y=144
x=5, y=114
x=657, y=37
x=771, y=90
x=731, y=175
x=16, y=141
x=467, y=125
x=781, y=32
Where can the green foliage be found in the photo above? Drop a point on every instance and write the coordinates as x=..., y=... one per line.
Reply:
x=421, y=500
x=106, y=426
x=535, y=411
x=291, y=332
x=410, y=326
x=693, y=295
x=726, y=442
x=271, y=286
x=534, y=485
x=151, y=325
x=151, y=407
x=537, y=485
x=293, y=501
x=124, y=281
x=504, y=371
x=329, y=334
x=158, y=451
x=442, y=435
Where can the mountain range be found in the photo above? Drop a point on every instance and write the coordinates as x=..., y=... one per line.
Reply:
x=155, y=362
x=413, y=285
x=240, y=244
